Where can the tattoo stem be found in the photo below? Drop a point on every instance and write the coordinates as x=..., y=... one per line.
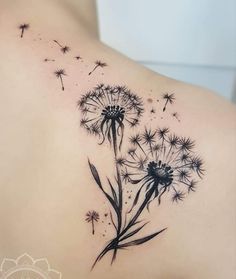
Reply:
x=114, y=244
x=22, y=32
x=165, y=105
x=93, y=227
x=62, y=85
x=93, y=69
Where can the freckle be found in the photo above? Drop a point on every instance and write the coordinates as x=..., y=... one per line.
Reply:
x=102, y=221
x=125, y=202
x=103, y=235
x=149, y=100
x=109, y=224
x=157, y=100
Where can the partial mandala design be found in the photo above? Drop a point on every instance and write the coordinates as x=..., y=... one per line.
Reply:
x=25, y=267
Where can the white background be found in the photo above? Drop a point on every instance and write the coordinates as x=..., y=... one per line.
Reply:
x=189, y=40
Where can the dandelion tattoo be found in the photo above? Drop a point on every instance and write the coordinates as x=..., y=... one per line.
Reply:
x=105, y=111
x=64, y=49
x=91, y=217
x=169, y=98
x=157, y=164
x=98, y=64
x=59, y=73
x=23, y=27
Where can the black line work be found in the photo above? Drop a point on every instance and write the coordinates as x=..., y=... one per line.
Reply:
x=64, y=49
x=158, y=163
x=23, y=27
x=78, y=57
x=49, y=60
x=91, y=217
x=105, y=109
x=169, y=98
x=176, y=116
x=59, y=74
x=98, y=64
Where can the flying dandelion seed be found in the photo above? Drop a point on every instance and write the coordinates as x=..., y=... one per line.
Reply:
x=23, y=27
x=59, y=73
x=169, y=98
x=78, y=57
x=91, y=217
x=98, y=64
x=64, y=49
x=48, y=60
x=107, y=109
x=176, y=116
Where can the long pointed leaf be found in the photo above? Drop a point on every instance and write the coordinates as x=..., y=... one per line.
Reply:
x=140, y=240
x=133, y=232
x=95, y=174
x=113, y=192
x=99, y=183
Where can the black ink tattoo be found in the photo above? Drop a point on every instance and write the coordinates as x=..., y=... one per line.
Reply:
x=64, y=49
x=59, y=73
x=78, y=57
x=158, y=163
x=153, y=110
x=91, y=217
x=169, y=98
x=176, y=116
x=49, y=60
x=98, y=64
x=23, y=27
x=106, y=108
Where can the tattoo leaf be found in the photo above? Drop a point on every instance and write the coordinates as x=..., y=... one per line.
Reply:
x=95, y=174
x=133, y=232
x=136, y=199
x=113, y=191
x=99, y=183
x=140, y=240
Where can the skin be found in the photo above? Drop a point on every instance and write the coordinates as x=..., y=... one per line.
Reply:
x=45, y=184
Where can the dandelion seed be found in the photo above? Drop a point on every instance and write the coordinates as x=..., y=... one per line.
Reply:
x=176, y=116
x=178, y=196
x=91, y=217
x=64, y=49
x=23, y=27
x=59, y=73
x=78, y=57
x=48, y=60
x=98, y=64
x=169, y=98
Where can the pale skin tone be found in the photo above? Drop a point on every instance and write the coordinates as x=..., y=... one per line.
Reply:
x=45, y=185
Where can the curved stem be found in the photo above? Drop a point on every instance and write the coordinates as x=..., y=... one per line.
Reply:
x=140, y=210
